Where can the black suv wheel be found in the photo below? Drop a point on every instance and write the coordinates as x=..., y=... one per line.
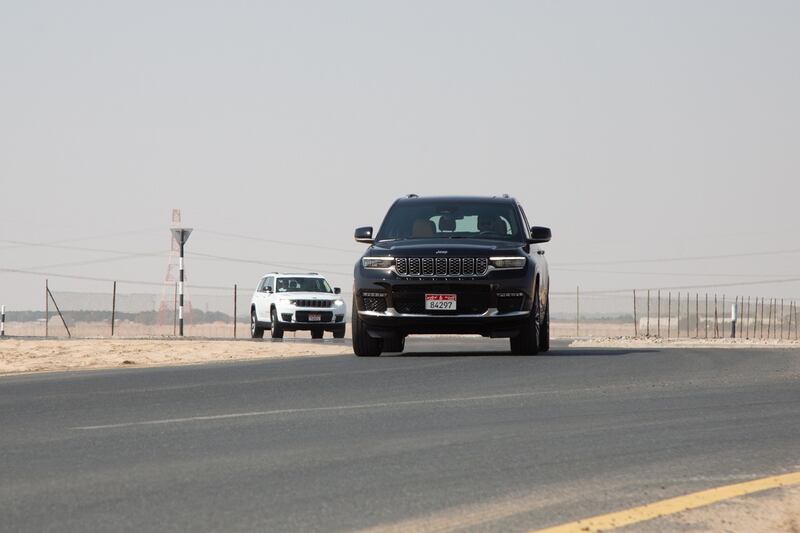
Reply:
x=363, y=344
x=528, y=341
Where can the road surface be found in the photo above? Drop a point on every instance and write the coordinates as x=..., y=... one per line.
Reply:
x=454, y=434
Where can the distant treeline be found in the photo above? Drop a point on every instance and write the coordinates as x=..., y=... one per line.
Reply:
x=143, y=317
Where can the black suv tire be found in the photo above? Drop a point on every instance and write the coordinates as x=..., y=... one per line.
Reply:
x=363, y=344
x=544, y=332
x=527, y=342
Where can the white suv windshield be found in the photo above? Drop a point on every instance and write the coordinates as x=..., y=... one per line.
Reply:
x=302, y=285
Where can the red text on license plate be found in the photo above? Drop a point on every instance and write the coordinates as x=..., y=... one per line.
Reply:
x=314, y=317
x=440, y=302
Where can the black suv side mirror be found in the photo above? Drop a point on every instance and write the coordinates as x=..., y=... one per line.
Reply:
x=540, y=234
x=337, y=290
x=364, y=235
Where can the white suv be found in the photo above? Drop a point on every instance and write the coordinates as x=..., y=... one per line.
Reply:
x=293, y=302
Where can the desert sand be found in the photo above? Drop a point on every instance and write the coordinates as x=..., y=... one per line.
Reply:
x=31, y=355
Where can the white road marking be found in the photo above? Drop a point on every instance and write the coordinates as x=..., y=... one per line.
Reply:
x=318, y=409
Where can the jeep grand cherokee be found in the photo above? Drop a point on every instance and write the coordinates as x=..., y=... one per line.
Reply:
x=463, y=265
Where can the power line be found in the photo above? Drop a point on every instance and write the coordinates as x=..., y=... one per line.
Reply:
x=259, y=262
x=639, y=273
x=682, y=287
x=78, y=248
x=95, y=261
x=675, y=259
x=273, y=241
x=109, y=280
x=21, y=244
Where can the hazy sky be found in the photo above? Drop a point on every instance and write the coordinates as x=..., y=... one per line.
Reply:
x=636, y=130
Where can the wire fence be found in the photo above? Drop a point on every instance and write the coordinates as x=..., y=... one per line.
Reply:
x=119, y=309
x=123, y=311
x=672, y=314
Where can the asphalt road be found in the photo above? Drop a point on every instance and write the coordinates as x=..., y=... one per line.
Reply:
x=444, y=436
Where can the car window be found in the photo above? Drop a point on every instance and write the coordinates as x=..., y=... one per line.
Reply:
x=302, y=284
x=452, y=219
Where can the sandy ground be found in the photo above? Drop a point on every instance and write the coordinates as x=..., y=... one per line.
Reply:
x=771, y=511
x=30, y=355
x=558, y=328
x=644, y=342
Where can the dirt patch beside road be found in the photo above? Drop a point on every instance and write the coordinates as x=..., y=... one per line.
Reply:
x=31, y=355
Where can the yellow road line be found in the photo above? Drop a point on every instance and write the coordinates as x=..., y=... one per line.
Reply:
x=673, y=505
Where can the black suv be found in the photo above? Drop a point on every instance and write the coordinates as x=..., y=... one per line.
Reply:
x=464, y=265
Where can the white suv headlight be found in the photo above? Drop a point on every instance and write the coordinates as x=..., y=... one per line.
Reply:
x=507, y=263
x=378, y=263
x=338, y=303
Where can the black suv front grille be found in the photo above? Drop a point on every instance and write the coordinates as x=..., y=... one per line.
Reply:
x=441, y=266
x=410, y=299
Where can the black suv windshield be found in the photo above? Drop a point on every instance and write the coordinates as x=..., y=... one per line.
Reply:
x=443, y=219
x=302, y=285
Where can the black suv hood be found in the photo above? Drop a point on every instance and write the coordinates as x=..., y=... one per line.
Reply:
x=454, y=247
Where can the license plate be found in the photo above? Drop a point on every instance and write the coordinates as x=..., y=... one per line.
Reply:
x=440, y=302
x=314, y=317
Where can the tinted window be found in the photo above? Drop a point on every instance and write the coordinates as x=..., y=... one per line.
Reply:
x=425, y=220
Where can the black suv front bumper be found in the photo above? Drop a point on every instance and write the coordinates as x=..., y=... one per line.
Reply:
x=495, y=305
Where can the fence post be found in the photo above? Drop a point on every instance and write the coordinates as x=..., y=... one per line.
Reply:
x=733, y=318
x=722, y=327
x=235, y=295
x=59, y=313
x=781, y=319
x=2, y=320
x=706, y=316
x=635, y=318
x=578, y=311
x=175, y=312
x=648, y=312
x=669, y=313
x=658, y=312
x=746, y=324
x=795, y=321
x=113, y=307
x=678, y=317
x=688, y=325
x=46, y=308
x=769, y=321
x=697, y=315
x=716, y=317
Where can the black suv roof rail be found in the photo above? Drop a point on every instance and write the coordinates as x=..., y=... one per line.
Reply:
x=412, y=195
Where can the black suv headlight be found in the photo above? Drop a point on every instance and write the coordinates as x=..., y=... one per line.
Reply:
x=377, y=263
x=507, y=263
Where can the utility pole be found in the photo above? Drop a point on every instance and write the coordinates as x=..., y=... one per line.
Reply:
x=181, y=235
